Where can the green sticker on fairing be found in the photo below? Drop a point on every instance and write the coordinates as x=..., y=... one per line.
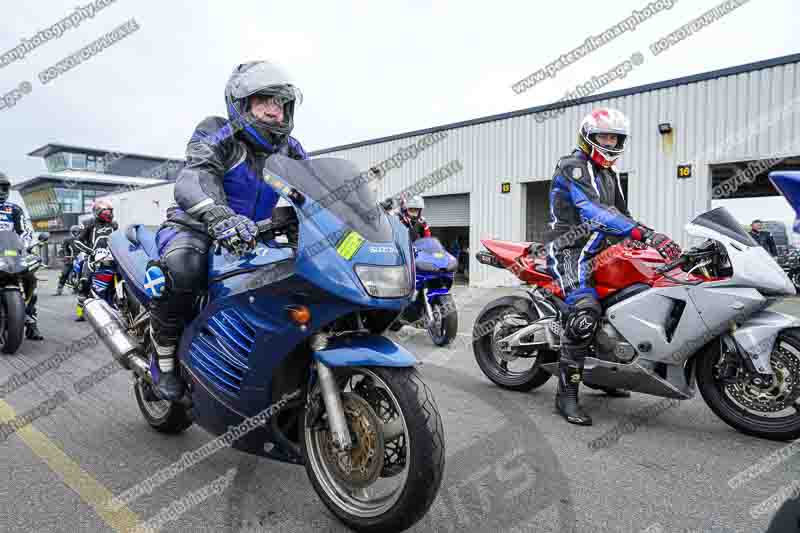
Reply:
x=349, y=245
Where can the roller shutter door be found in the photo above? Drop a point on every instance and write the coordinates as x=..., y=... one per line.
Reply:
x=447, y=211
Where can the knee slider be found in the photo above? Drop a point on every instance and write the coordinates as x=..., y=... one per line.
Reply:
x=582, y=322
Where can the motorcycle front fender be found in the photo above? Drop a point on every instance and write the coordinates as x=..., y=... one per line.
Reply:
x=757, y=336
x=366, y=350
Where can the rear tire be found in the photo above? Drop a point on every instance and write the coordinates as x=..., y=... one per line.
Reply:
x=732, y=413
x=163, y=416
x=483, y=350
x=12, y=327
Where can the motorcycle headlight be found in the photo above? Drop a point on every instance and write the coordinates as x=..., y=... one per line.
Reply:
x=384, y=281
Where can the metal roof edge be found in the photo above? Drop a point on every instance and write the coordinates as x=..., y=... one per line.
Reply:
x=694, y=78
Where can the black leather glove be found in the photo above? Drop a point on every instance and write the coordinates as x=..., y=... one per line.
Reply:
x=235, y=233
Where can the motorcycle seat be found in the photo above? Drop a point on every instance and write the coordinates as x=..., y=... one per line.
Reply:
x=138, y=235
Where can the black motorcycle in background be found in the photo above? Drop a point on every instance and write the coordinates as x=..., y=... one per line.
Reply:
x=15, y=262
x=790, y=263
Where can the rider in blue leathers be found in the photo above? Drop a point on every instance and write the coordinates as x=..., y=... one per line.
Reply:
x=13, y=218
x=588, y=212
x=219, y=195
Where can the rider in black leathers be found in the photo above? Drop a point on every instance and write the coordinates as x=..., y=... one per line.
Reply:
x=96, y=234
x=13, y=218
x=587, y=213
x=219, y=195
x=68, y=252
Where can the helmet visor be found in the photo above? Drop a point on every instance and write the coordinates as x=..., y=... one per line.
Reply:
x=264, y=78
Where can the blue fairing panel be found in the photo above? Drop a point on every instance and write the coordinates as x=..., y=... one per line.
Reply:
x=369, y=350
x=131, y=262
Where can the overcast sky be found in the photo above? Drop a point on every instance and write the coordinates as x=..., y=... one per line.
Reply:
x=367, y=69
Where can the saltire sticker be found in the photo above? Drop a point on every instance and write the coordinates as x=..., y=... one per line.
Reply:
x=154, y=282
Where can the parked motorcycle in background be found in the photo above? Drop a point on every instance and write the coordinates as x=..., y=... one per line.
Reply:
x=433, y=307
x=700, y=320
x=74, y=276
x=15, y=262
x=790, y=263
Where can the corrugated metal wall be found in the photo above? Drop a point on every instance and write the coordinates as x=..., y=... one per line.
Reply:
x=703, y=116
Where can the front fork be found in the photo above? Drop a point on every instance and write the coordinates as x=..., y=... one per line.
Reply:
x=332, y=400
x=428, y=309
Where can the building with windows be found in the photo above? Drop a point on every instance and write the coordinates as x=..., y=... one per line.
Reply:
x=75, y=177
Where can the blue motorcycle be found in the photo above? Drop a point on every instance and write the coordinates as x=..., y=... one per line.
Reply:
x=295, y=329
x=433, y=307
x=788, y=184
x=75, y=274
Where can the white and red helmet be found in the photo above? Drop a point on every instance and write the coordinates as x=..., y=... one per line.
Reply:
x=603, y=120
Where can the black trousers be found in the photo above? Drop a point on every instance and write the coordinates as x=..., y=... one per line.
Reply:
x=65, y=270
x=184, y=262
x=29, y=284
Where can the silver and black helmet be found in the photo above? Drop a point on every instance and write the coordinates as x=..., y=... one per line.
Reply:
x=267, y=79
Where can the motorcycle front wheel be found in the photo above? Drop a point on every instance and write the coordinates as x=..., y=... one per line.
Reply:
x=390, y=478
x=445, y=323
x=12, y=321
x=769, y=411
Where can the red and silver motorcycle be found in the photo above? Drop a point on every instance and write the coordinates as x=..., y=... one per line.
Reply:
x=667, y=329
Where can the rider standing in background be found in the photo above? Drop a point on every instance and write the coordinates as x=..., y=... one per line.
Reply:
x=763, y=237
x=411, y=216
x=586, y=193
x=96, y=234
x=69, y=253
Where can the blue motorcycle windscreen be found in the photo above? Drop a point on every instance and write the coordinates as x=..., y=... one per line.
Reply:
x=788, y=184
x=429, y=245
x=338, y=186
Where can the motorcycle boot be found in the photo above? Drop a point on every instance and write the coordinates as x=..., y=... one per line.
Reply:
x=577, y=335
x=32, y=330
x=167, y=384
x=569, y=379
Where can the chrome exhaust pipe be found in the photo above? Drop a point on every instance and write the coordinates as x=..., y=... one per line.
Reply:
x=108, y=326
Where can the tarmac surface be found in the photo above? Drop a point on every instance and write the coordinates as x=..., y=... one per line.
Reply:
x=512, y=464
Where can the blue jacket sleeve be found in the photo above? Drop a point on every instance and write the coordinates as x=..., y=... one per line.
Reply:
x=602, y=218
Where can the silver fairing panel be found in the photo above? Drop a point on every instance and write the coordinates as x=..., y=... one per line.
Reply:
x=644, y=318
x=757, y=336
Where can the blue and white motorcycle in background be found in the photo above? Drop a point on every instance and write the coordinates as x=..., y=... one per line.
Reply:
x=74, y=276
x=433, y=307
x=303, y=314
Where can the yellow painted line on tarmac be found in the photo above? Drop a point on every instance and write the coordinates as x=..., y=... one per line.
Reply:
x=88, y=488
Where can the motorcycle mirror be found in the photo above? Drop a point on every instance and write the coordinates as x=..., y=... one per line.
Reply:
x=44, y=236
